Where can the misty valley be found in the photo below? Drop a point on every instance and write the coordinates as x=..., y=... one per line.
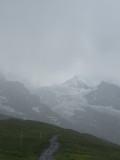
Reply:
x=85, y=115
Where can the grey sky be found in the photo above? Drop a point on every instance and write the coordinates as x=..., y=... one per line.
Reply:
x=49, y=41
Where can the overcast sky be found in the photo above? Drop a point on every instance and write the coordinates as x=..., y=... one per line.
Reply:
x=49, y=41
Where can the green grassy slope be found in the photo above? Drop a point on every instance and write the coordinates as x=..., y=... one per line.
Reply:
x=75, y=146
x=24, y=140
x=35, y=139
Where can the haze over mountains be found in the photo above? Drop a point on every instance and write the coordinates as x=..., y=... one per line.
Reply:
x=77, y=103
x=91, y=108
x=17, y=101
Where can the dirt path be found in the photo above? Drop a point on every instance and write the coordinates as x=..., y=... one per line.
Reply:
x=48, y=154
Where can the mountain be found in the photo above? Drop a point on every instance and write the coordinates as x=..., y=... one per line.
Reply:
x=67, y=97
x=17, y=101
x=106, y=94
x=77, y=104
x=91, y=108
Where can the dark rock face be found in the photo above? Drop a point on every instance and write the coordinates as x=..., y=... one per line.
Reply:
x=106, y=94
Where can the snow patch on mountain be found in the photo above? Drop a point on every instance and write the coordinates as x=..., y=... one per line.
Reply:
x=37, y=109
x=79, y=82
x=7, y=109
x=106, y=109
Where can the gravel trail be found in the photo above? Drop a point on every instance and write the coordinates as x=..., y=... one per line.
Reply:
x=48, y=154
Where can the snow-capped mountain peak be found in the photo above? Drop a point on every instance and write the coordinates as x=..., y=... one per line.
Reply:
x=79, y=82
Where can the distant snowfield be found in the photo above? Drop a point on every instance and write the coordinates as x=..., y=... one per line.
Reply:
x=106, y=109
x=6, y=108
x=37, y=109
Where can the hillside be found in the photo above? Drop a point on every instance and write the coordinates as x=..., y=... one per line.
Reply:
x=24, y=140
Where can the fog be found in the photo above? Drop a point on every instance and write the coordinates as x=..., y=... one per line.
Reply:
x=46, y=42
